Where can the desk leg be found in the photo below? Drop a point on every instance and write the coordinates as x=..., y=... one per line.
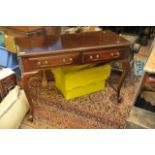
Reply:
x=126, y=68
x=25, y=83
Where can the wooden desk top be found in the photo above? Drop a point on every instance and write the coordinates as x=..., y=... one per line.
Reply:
x=80, y=41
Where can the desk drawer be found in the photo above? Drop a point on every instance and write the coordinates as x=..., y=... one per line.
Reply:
x=53, y=61
x=89, y=57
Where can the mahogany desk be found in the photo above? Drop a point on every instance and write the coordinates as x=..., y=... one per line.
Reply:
x=75, y=49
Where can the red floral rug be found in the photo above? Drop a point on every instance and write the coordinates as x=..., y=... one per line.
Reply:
x=97, y=110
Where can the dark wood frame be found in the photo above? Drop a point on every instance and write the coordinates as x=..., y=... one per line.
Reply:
x=32, y=63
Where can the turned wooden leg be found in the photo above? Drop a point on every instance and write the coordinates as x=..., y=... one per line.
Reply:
x=25, y=83
x=126, y=69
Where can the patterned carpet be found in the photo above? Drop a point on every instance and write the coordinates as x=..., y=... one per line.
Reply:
x=97, y=110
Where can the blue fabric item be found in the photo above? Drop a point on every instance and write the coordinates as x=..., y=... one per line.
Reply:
x=4, y=57
x=9, y=60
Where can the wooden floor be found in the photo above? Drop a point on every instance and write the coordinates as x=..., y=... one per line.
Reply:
x=140, y=119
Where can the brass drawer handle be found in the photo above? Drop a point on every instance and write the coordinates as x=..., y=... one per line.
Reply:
x=39, y=63
x=115, y=55
x=112, y=54
x=118, y=54
x=94, y=59
x=70, y=59
x=45, y=62
x=97, y=56
x=91, y=57
x=67, y=62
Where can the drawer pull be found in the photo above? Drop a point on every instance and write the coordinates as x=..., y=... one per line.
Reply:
x=94, y=59
x=45, y=62
x=39, y=63
x=67, y=62
x=70, y=59
x=91, y=57
x=118, y=53
x=115, y=55
x=97, y=56
x=112, y=54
